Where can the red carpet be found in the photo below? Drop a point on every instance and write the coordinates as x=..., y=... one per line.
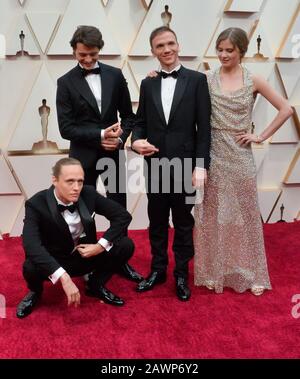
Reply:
x=155, y=324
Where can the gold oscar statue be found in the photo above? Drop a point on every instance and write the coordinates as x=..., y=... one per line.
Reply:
x=44, y=146
x=22, y=52
x=259, y=55
x=166, y=16
x=281, y=214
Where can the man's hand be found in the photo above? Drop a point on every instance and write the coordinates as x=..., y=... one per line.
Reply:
x=70, y=289
x=144, y=148
x=199, y=178
x=110, y=144
x=87, y=250
x=113, y=131
x=111, y=141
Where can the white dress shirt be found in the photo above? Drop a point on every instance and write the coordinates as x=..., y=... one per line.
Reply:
x=74, y=223
x=94, y=82
x=167, y=93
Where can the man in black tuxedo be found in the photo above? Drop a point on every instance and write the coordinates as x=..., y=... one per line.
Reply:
x=88, y=100
x=59, y=238
x=173, y=123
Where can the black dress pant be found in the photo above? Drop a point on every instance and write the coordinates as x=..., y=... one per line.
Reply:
x=159, y=207
x=115, y=182
x=160, y=203
x=102, y=266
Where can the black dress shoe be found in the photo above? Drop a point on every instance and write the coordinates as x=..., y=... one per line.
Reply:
x=182, y=290
x=26, y=306
x=154, y=278
x=104, y=294
x=129, y=273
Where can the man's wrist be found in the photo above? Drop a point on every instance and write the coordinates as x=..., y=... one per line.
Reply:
x=99, y=247
x=133, y=147
x=65, y=277
x=200, y=171
x=57, y=274
x=106, y=245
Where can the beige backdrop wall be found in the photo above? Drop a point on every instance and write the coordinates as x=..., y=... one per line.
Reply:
x=126, y=24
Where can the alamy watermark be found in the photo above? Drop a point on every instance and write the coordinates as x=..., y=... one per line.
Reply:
x=2, y=306
x=296, y=308
x=296, y=48
x=2, y=46
x=156, y=175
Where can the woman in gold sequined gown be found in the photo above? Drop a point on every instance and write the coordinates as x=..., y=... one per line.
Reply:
x=228, y=235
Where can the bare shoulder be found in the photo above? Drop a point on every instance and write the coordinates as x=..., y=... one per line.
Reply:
x=258, y=79
x=259, y=83
x=263, y=87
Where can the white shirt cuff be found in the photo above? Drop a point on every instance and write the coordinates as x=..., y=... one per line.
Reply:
x=102, y=134
x=105, y=244
x=200, y=169
x=56, y=275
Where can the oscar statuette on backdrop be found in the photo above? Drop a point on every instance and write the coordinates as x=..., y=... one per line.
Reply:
x=44, y=146
x=281, y=214
x=166, y=16
x=22, y=52
x=258, y=55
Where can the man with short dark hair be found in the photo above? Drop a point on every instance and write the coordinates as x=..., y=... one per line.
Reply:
x=89, y=99
x=59, y=238
x=173, y=125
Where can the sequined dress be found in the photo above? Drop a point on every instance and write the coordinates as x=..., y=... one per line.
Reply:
x=228, y=235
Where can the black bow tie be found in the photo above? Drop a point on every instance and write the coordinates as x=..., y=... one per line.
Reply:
x=173, y=74
x=71, y=208
x=92, y=71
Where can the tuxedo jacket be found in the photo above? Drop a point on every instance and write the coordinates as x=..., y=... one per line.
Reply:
x=46, y=234
x=187, y=133
x=79, y=118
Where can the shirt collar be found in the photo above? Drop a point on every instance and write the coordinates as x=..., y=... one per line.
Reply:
x=59, y=201
x=177, y=68
x=96, y=65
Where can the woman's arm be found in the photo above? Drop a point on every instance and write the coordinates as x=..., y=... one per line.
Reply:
x=260, y=85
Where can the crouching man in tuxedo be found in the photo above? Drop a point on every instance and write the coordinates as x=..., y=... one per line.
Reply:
x=59, y=238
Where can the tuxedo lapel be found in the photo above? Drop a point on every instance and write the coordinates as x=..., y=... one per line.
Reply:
x=156, y=95
x=87, y=221
x=53, y=208
x=106, y=89
x=83, y=88
x=179, y=91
